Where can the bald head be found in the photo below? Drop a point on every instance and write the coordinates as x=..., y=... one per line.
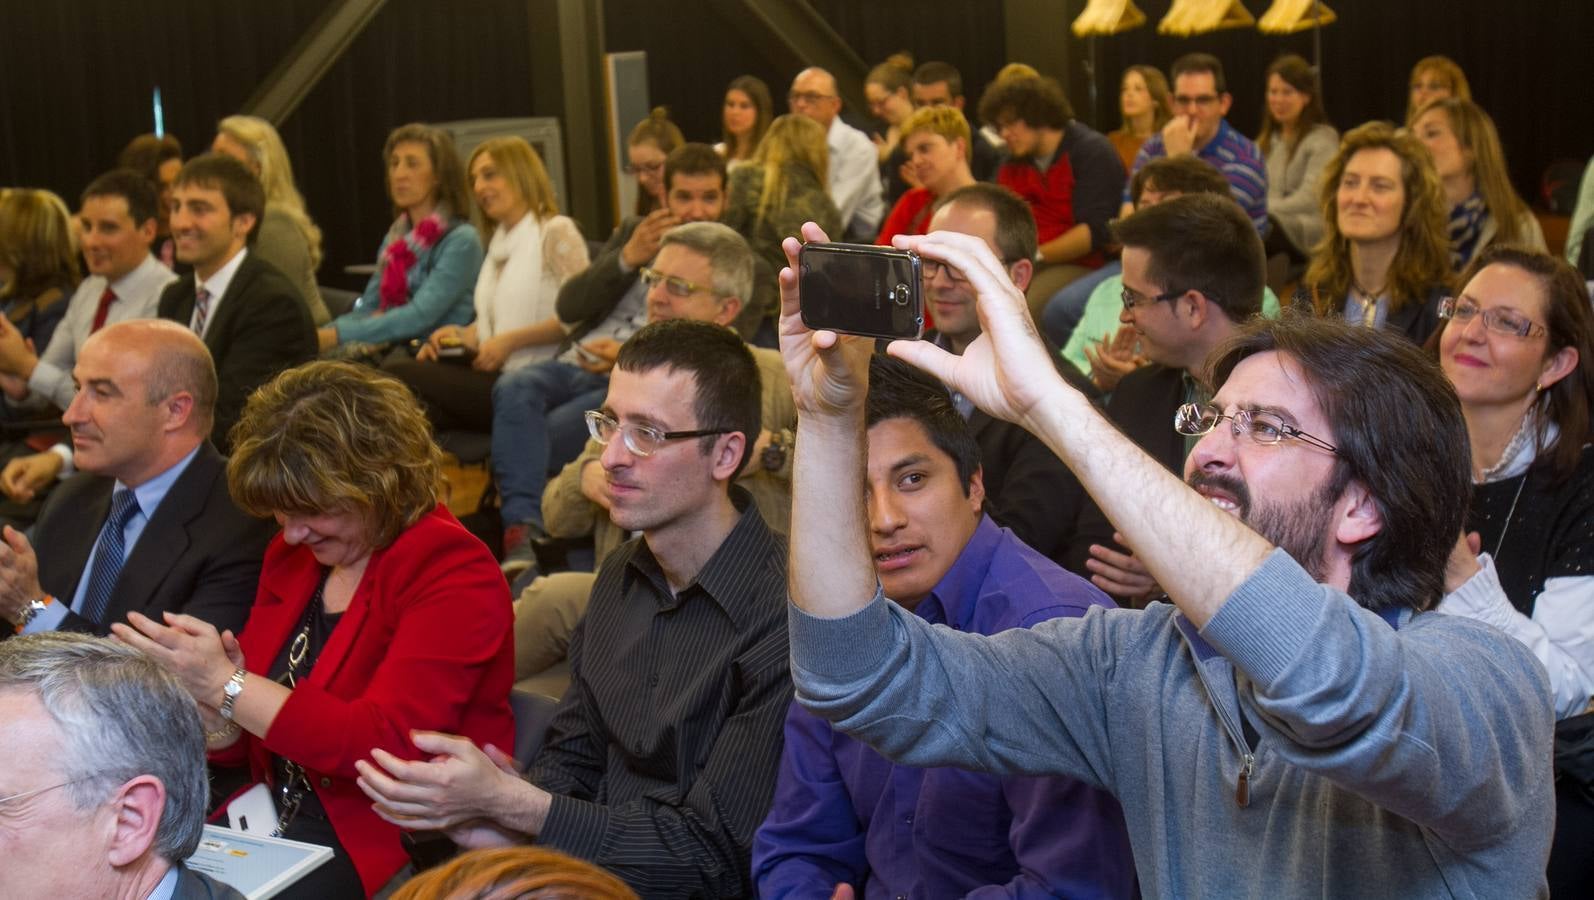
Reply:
x=813, y=94
x=146, y=397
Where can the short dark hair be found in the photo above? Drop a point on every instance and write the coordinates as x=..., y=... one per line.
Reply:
x=1184, y=174
x=1200, y=62
x=693, y=159
x=1570, y=323
x=1201, y=242
x=1398, y=431
x=1016, y=236
x=239, y=186
x=1037, y=102
x=139, y=192
x=898, y=390
x=145, y=153
x=935, y=72
x=729, y=389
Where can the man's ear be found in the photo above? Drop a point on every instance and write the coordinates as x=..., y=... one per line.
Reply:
x=1225, y=100
x=242, y=224
x=136, y=810
x=1356, y=515
x=179, y=410
x=1021, y=271
x=727, y=453
x=730, y=308
x=977, y=490
x=148, y=229
x=1200, y=306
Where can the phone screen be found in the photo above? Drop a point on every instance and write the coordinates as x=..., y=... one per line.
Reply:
x=861, y=289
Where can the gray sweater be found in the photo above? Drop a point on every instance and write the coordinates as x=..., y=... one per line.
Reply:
x=1390, y=763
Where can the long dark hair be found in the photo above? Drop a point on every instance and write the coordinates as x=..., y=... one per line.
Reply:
x=1298, y=74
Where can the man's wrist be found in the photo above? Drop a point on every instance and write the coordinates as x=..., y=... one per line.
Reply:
x=520, y=806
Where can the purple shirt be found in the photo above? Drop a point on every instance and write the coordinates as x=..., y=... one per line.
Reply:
x=1231, y=153
x=842, y=812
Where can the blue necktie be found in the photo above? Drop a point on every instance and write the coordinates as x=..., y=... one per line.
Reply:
x=109, y=552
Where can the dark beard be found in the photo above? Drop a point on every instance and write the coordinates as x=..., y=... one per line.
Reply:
x=1299, y=529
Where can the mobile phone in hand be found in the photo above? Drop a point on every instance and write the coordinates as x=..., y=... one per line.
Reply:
x=861, y=289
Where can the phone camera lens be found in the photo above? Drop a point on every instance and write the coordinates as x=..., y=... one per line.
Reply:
x=900, y=295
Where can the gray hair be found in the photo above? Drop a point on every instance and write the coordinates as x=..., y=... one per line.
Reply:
x=121, y=716
x=727, y=252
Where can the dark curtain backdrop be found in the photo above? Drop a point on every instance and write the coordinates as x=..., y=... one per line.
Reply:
x=76, y=75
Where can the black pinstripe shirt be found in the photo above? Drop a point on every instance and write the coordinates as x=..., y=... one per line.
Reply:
x=663, y=755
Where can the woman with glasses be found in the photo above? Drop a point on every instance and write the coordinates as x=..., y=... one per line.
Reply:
x=532, y=250
x=784, y=186
x=1484, y=208
x=886, y=89
x=377, y=614
x=1518, y=344
x=1382, y=261
x=645, y=149
x=744, y=119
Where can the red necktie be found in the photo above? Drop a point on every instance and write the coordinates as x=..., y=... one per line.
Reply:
x=106, y=299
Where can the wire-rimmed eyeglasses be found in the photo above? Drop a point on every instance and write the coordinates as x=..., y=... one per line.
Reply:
x=1261, y=427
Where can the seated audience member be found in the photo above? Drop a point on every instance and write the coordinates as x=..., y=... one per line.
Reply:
x=842, y=813
x=744, y=119
x=1193, y=274
x=784, y=186
x=1296, y=700
x=886, y=89
x=1484, y=208
x=158, y=158
x=649, y=144
x=1067, y=172
x=662, y=757
x=426, y=267
x=935, y=141
x=1297, y=142
x=1200, y=102
x=116, y=226
x=1383, y=260
x=521, y=873
x=391, y=613
x=1146, y=105
x=1101, y=345
x=852, y=175
x=941, y=84
x=146, y=525
x=538, y=411
x=248, y=313
x=38, y=276
x=1027, y=488
x=713, y=265
x=1435, y=78
x=287, y=238
x=532, y=251
x=1518, y=345
x=120, y=736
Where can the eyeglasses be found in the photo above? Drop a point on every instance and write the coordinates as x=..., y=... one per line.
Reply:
x=641, y=440
x=1261, y=427
x=37, y=791
x=652, y=168
x=1503, y=321
x=1203, y=100
x=678, y=287
x=1132, y=298
x=796, y=97
x=931, y=268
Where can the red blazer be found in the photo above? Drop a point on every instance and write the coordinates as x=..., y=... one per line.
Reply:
x=426, y=643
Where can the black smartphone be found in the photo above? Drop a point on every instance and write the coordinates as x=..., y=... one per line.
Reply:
x=861, y=289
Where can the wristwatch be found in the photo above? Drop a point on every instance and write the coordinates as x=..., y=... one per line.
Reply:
x=31, y=610
x=230, y=692
x=774, y=455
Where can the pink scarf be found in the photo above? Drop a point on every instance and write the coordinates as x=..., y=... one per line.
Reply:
x=399, y=258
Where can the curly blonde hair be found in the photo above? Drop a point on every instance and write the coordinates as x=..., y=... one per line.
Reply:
x=330, y=437
x=1423, y=260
